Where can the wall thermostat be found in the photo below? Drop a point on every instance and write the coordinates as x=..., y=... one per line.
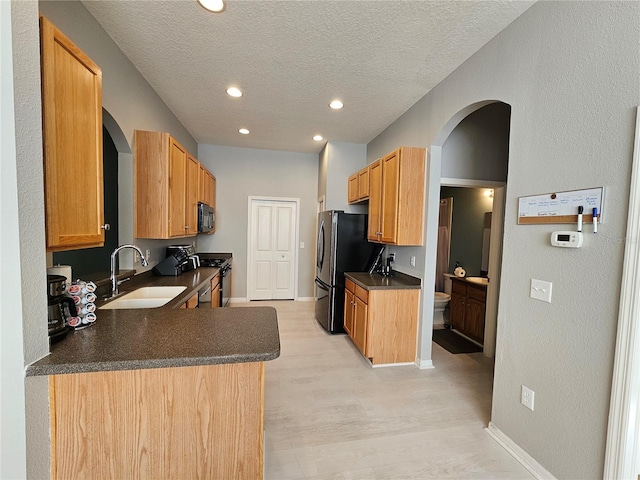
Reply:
x=567, y=239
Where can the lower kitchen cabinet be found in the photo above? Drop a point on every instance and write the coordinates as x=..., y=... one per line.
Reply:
x=467, y=308
x=192, y=302
x=215, y=291
x=382, y=324
x=187, y=422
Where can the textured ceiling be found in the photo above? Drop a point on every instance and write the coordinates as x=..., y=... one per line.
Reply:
x=292, y=57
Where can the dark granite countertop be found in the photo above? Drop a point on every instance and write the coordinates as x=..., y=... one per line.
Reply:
x=166, y=336
x=375, y=281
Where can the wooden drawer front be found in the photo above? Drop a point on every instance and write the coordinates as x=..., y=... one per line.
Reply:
x=478, y=293
x=362, y=294
x=458, y=286
x=349, y=285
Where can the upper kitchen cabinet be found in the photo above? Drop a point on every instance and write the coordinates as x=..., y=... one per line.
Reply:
x=396, y=197
x=72, y=136
x=207, y=189
x=358, y=190
x=166, y=180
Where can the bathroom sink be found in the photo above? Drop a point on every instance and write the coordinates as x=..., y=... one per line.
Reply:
x=478, y=280
x=145, y=297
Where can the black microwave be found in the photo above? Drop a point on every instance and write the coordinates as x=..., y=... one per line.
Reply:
x=206, y=218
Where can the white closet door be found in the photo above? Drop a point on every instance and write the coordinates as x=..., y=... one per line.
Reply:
x=272, y=247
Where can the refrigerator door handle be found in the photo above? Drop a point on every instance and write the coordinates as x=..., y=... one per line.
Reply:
x=322, y=285
x=320, y=252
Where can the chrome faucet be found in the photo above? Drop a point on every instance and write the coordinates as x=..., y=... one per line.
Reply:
x=114, y=280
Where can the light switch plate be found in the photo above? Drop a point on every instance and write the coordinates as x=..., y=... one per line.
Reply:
x=541, y=290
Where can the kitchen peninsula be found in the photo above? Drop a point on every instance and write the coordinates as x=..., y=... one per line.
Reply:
x=161, y=392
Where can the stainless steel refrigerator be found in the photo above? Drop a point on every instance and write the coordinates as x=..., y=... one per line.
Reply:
x=342, y=246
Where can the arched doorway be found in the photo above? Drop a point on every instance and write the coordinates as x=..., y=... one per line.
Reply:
x=467, y=176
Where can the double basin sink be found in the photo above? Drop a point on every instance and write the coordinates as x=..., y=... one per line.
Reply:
x=145, y=297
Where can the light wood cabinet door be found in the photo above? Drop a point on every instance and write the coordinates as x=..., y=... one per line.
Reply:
x=375, y=201
x=359, y=336
x=363, y=184
x=191, y=195
x=166, y=187
x=349, y=306
x=396, y=197
x=204, y=185
x=215, y=291
x=177, y=188
x=352, y=189
x=192, y=302
x=72, y=135
x=390, y=187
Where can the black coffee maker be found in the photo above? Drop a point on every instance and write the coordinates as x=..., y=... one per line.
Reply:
x=60, y=308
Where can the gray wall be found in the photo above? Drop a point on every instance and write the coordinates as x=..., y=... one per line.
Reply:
x=469, y=207
x=571, y=73
x=24, y=407
x=130, y=101
x=244, y=172
x=338, y=161
x=478, y=148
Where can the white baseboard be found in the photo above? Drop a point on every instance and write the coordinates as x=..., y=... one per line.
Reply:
x=424, y=364
x=305, y=299
x=518, y=453
x=381, y=365
x=238, y=300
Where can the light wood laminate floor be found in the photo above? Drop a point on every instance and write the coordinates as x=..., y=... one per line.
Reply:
x=329, y=415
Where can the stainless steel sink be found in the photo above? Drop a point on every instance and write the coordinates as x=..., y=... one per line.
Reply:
x=145, y=297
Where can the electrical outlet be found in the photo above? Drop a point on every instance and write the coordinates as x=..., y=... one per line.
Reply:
x=301, y=244
x=392, y=255
x=526, y=397
x=413, y=260
x=136, y=257
x=147, y=255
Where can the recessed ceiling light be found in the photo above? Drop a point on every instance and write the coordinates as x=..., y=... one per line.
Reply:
x=234, y=92
x=244, y=131
x=215, y=6
x=318, y=138
x=336, y=104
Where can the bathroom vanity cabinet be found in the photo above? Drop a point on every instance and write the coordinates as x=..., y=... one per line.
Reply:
x=467, y=308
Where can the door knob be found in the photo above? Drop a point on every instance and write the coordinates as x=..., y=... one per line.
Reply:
x=106, y=226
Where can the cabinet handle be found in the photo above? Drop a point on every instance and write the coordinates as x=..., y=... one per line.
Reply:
x=186, y=227
x=106, y=226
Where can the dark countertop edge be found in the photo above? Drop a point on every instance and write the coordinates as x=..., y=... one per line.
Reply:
x=53, y=364
x=399, y=281
x=111, y=366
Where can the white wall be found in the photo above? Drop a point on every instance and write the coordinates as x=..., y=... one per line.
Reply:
x=571, y=73
x=244, y=172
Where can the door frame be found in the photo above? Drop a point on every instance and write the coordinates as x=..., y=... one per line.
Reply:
x=495, y=255
x=622, y=456
x=296, y=255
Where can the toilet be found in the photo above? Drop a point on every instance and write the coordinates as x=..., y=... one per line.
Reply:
x=440, y=302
